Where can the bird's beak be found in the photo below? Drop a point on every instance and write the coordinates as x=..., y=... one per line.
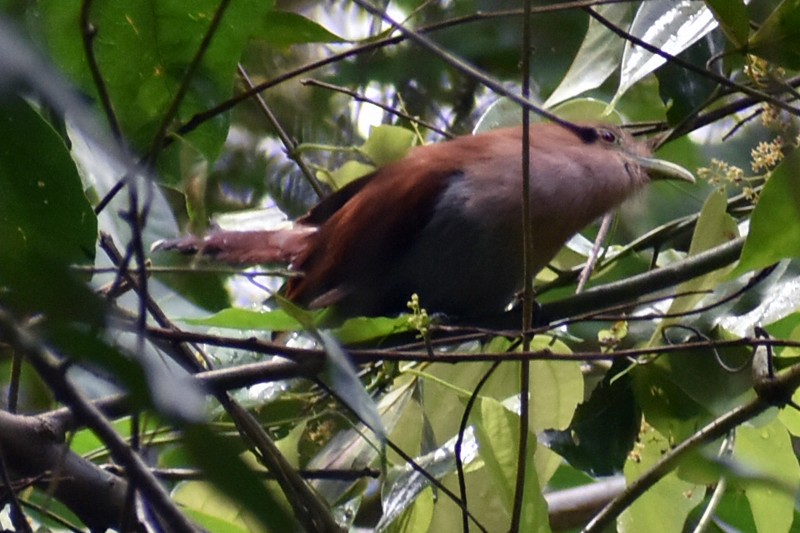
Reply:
x=658, y=169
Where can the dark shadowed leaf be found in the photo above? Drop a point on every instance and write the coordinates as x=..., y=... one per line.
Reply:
x=778, y=38
x=602, y=430
x=732, y=18
x=219, y=459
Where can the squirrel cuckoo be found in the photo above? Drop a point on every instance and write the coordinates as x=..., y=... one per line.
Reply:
x=446, y=221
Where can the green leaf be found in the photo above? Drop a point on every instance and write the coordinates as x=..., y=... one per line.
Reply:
x=360, y=329
x=664, y=506
x=143, y=49
x=775, y=224
x=669, y=26
x=602, y=429
x=418, y=517
x=497, y=430
x=713, y=228
x=778, y=38
x=230, y=476
x=283, y=28
x=556, y=390
x=349, y=171
x=46, y=222
x=42, y=205
x=352, y=331
x=598, y=57
x=388, y=143
x=235, y=318
x=768, y=451
x=732, y=18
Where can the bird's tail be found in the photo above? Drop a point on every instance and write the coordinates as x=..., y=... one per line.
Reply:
x=244, y=247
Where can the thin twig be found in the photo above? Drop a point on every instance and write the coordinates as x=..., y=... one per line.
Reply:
x=89, y=33
x=462, y=429
x=389, y=109
x=289, y=145
x=527, y=276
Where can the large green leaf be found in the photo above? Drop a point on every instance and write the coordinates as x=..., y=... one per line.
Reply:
x=284, y=28
x=597, y=58
x=603, y=428
x=778, y=38
x=732, y=18
x=143, y=50
x=768, y=451
x=497, y=430
x=775, y=224
x=46, y=223
x=42, y=205
x=664, y=506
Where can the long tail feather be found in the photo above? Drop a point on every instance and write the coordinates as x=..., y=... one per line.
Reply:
x=244, y=247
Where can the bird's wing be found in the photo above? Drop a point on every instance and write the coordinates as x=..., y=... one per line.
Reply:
x=329, y=205
x=366, y=234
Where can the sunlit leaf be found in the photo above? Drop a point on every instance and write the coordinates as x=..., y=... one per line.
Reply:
x=388, y=143
x=587, y=110
x=497, y=430
x=417, y=517
x=210, y=509
x=768, y=450
x=597, y=58
x=285, y=28
x=664, y=506
x=670, y=26
x=235, y=318
x=714, y=227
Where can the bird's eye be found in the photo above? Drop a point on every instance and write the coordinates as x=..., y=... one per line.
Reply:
x=607, y=135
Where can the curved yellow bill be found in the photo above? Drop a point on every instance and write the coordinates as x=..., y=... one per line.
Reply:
x=658, y=169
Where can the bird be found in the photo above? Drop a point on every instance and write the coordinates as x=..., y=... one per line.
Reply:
x=445, y=222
